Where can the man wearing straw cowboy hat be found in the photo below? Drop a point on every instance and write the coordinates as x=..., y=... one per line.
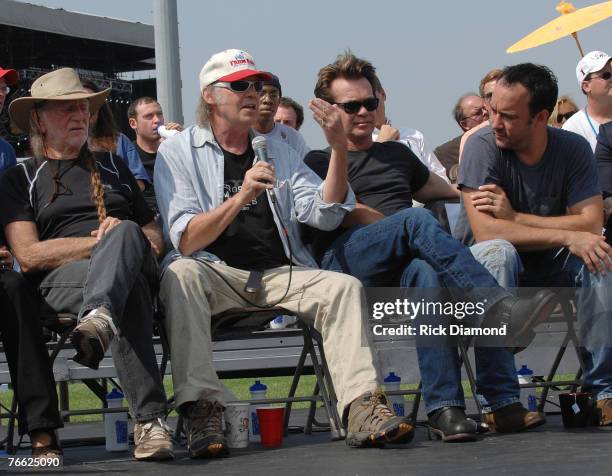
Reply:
x=8, y=77
x=82, y=232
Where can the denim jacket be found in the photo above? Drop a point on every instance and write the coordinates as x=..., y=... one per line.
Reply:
x=189, y=174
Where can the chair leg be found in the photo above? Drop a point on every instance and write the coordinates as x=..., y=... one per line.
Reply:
x=415, y=405
x=308, y=341
x=329, y=384
x=553, y=372
x=470, y=375
x=163, y=337
x=299, y=370
x=10, y=444
x=179, y=428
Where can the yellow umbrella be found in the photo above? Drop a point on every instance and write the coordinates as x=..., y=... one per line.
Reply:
x=570, y=22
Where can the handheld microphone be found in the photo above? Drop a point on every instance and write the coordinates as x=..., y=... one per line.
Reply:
x=261, y=153
x=260, y=148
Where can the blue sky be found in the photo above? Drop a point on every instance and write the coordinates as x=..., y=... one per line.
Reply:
x=427, y=54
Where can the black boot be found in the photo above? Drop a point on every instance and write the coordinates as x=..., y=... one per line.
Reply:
x=451, y=424
x=521, y=315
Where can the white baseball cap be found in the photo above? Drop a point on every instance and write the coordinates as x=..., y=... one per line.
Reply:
x=230, y=65
x=591, y=63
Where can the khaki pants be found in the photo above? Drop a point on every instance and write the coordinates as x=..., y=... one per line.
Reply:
x=333, y=303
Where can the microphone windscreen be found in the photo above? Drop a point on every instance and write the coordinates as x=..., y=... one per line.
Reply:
x=258, y=142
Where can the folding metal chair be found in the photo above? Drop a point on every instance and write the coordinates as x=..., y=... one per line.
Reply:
x=242, y=324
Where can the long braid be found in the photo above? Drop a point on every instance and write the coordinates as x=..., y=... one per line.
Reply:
x=97, y=190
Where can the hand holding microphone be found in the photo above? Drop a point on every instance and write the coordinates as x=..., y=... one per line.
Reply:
x=260, y=176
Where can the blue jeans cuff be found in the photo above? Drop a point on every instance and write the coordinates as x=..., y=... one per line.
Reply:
x=502, y=403
x=604, y=395
x=431, y=407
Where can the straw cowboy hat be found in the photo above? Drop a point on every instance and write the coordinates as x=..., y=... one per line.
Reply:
x=59, y=85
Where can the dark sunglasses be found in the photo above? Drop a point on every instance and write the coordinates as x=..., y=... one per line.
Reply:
x=353, y=107
x=566, y=116
x=241, y=85
x=605, y=76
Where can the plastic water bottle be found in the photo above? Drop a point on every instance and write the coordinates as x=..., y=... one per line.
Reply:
x=258, y=391
x=392, y=382
x=528, y=398
x=116, y=424
x=278, y=323
x=166, y=133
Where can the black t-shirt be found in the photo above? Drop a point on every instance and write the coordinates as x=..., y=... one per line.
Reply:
x=56, y=195
x=384, y=177
x=565, y=175
x=252, y=240
x=603, y=154
x=148, y=161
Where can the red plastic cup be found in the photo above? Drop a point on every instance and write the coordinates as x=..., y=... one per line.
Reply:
x=271, y=422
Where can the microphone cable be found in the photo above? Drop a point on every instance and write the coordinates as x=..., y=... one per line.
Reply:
x=285, y=230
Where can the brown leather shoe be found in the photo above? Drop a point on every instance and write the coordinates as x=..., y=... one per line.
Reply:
x=513, y=418
x=604, y=408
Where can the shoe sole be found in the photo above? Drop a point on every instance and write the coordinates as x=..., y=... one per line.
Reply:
x=89, y=350
x=161, y=454
x=212, y=450
x=540, y=314
x=457, y=438
x=401, y=434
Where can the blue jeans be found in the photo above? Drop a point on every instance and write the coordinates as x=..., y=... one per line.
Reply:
x=410, y=248
x=559, y=268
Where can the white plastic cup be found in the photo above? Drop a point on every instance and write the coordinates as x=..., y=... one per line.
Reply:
x=237, y=425
x=116, y=424
x=166, y=133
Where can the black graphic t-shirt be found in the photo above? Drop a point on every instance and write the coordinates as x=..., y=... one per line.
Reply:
x=56, y=195
x=148, y=161
x=252, y=240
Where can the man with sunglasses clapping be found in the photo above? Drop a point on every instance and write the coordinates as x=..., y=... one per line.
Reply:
x=594, y=73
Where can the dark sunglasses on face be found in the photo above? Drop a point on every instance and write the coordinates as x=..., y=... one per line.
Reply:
x=240, y=86
x=605, y=76
x=565, y=117
x=353, y=107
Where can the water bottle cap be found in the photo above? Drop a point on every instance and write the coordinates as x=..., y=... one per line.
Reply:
x=392, y=378
x=115, y=393
x=258, y=387
x=524, y=370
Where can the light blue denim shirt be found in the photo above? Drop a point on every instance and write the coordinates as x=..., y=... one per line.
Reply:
x=189, y=173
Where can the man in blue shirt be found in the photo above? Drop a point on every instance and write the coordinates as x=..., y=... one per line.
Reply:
x=531, y=201
x=8, y=77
